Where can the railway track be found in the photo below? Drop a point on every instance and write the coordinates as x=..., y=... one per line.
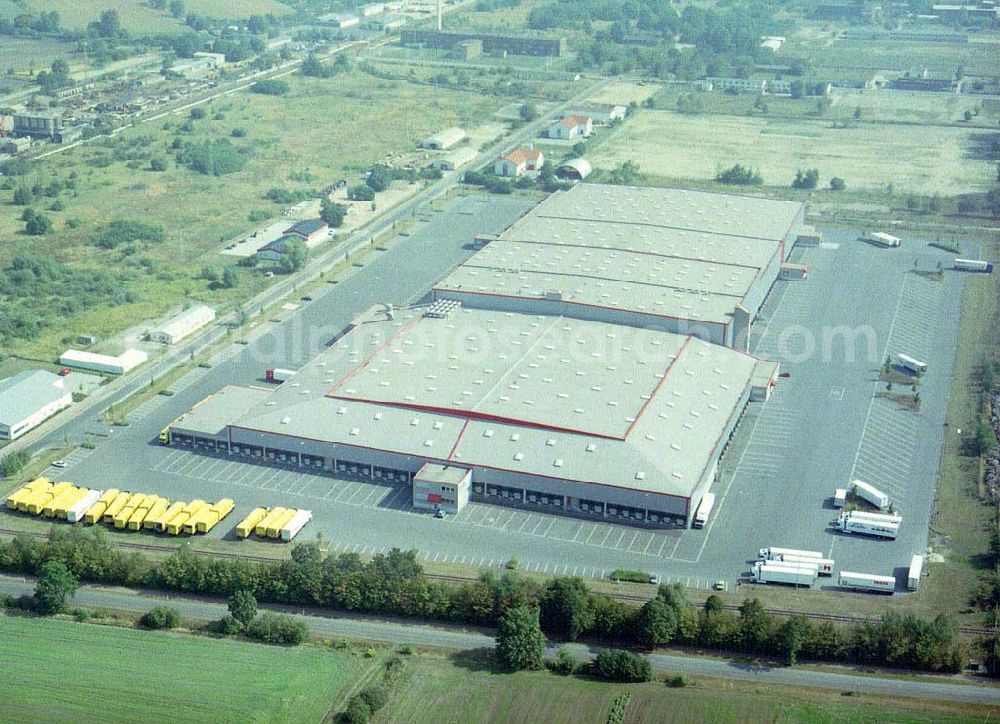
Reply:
x=627, y=597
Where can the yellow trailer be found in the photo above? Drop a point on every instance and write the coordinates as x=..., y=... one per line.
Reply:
x=115, y=506
x=95, y=513
x=64, y=505
x=38, y=492
x=121, y=518
x=160, y=524
x=194, y=506
x=210, y=521
x=246, y=526
x=176, y=524
x=37, y=502
x=224, y=507
x=108, y=495
x=261, y=527
x=135, y=520
x=191, y=524
x=57, y=491
x=156, y=510
x=279, y=522
x=135, y=500
x=17, y=496
x=49, y=511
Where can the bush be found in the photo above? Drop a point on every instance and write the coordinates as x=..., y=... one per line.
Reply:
x=375, y=696
x=23, y=196
x=277, y=628
x=357, y=712
x=270, y=87
x=157, y=163
x=806, y=179
x=13, y=463
x=228, y=626
x=238, y=132
x=740, y=176
x=620, y=574
x=837, y=184
x=564, y=664
x=361, y=192
x=161, y=617
x=621, y=665
x=213, y=158
x=197, y=113
x=120, y=232
x=38, y=225
x=676, y=682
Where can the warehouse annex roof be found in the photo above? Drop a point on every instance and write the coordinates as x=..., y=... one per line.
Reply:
x=27, y=392
x=537, y=395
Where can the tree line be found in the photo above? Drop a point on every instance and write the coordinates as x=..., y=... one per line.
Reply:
x=395, y=584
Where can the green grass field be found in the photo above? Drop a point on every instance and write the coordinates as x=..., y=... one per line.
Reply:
x=62, y=670
x=935, y=159
x=323, y=130
x=439, y=691
x=139, y=18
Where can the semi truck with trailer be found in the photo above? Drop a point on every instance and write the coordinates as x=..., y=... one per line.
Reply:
x=866, y=582
x=916, y=570
x=774, y=553
x=881, y=239
x=973, y=265
x=704, y=510
x=867, y=491
x=909, y=363
x=824, y=566
x=885, y=527
x=277, y=374
x=787, y=573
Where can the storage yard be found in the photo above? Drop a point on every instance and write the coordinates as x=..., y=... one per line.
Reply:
x=821, y=429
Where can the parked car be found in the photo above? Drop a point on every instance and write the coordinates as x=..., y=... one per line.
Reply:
x=64, y=371
x=785, y=374
x=440, y=513
x=59, y=463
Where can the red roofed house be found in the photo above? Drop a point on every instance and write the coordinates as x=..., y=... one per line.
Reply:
x=571, y=128
x=516, y=162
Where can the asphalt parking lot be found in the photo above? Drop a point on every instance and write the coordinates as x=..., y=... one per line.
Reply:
x=821, y=428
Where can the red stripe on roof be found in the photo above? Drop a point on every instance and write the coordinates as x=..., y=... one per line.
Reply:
x=658, y=385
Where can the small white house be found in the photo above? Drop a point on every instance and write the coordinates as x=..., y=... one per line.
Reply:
x=516, y=162
x=28, y=399
x=571, y=128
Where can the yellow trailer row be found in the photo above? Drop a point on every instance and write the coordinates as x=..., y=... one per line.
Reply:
x=280, y=523
x=61, y=500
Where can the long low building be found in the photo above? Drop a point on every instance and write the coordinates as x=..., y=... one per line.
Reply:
x=119, y=365
x=28, y=399
x=690, y=262
x=546, y=411
x=184, y=324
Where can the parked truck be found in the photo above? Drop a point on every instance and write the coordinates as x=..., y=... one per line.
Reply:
x=909, y=363
x=916, y=570
x=791, y=574
x=76, y=512
x=824, y=566
x=881, y=239
x=868, y=525
x=295, y=524
x=882, y=517
x=704, y=509
x=866, y=582
x=774, y=553
x=867, y=491
x=840, y=498
x=277, y=374
x=973, y=265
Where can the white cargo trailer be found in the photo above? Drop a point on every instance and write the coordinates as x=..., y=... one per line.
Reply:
x=880, y=517
x=840, y=497
x=75, y=513
x=866, y=582
x=916, y=570
x=909, y=363
x=881, y=238
x=862, y=525
x=824, y=566
x=973, y=265
x=704, y=509
x=771, y=572
x=867, y=491
x=774, y=553
x=295, y=524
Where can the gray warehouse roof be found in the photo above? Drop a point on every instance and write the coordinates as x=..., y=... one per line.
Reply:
x=546, y=396
x=665, y=252
x=27, y=392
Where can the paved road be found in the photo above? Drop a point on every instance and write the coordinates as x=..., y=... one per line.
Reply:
x=456, y=637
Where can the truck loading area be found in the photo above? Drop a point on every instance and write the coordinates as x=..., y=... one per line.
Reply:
x=821, y=428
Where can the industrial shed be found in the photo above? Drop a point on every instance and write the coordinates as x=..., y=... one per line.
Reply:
x=119, y=365
x=689, y=262
x=546, y=411
x=445, y=139
x=28, y=399
x=184, y=324
x=455, y=159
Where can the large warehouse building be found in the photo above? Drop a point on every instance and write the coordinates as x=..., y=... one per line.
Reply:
x=690, y=262
x=583, y=362
x=595, y=418
x=28, y=399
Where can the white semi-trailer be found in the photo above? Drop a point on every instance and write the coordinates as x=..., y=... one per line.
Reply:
x=882, y=517
x=297, y=523
x=867, y=491
x=795, y=575
x=866, y=582
x=909, y=363
x=866, y=525
x=973, y=265
x=881, y=238
x=74, y=514
x=704, y=509
x=824, y=566
x=916, y=570
x=774, y=553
